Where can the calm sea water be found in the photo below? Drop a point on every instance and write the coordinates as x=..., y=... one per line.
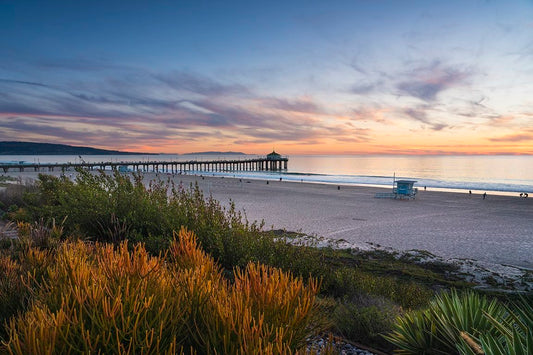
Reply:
x=502, y=174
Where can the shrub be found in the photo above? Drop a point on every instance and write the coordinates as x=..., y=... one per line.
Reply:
x=115, y=207
x=19, y=278
x=111, y=208
x=351, y=281
x=12, y=196
x=364, y=320
x=12, y=289
x=101, y=299
x=40, y=234
x=280, y=300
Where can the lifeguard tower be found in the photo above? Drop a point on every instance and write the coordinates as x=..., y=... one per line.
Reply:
x=405, y=189
x=402, y=189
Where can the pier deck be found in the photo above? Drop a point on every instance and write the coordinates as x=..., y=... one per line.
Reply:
x=255, y=164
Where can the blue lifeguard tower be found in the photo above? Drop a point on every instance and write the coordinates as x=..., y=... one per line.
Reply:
x=401, y=189
x=405, y=189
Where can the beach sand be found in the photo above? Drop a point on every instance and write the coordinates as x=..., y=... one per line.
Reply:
x=497, y=230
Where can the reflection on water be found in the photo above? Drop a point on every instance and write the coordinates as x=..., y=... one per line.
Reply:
x=461, y=168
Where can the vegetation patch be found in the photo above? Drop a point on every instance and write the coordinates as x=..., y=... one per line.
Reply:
x=113, y=222
x=102, y=299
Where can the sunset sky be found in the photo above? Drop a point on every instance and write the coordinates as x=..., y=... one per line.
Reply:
x=304, y=77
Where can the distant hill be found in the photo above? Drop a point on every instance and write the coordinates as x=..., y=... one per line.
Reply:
x=215, y=153
x=31, y=148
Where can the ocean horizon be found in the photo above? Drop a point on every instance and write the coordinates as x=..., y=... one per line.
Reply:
x=500, y=174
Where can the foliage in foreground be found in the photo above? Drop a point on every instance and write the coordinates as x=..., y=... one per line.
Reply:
x=101, y=299
x=465, y=323
x=114, y=207
x=111, y=208
x=513, y=333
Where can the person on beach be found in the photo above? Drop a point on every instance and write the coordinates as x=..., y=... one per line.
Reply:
x=484, y=195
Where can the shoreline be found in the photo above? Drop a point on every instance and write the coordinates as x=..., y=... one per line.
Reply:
x=343, y=180
x=494, y=235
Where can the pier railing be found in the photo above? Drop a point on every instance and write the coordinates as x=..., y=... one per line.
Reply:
x=253, y=164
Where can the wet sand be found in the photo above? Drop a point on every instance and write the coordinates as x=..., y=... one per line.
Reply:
x=497, y=230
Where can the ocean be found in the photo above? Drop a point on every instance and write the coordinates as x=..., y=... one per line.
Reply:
x=506, y=175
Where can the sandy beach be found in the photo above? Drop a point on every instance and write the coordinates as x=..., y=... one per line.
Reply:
x=496, y=230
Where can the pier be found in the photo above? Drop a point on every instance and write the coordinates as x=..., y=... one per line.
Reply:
x=272, y=162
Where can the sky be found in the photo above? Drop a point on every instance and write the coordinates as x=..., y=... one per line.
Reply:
x=300, y=77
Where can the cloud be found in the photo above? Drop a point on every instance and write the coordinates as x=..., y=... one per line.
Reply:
x=9, y=81
x=511, y=138
x=427, y=82
x=148, y=109
x=296, y=105
x=363, y=89
x=79, y=65
x=501, y=120
x=420, y=114
x=186, y=81
x=375, y=114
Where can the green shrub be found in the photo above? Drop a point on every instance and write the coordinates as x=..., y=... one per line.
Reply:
x=365, y=320
x=113, y=207
x=13, y=195
x=352, y=281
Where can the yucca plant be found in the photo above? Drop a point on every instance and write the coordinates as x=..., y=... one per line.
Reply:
x=416, y=333
x=514, y=333
x=437, y=330
x=468, y=312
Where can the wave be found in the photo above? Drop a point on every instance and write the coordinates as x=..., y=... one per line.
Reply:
x=380, y=181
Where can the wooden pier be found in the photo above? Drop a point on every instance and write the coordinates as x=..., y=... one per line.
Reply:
x=268, y=163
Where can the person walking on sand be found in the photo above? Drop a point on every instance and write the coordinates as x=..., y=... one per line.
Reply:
x=484, y=195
